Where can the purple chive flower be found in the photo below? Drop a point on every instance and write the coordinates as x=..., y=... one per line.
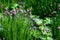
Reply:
x=59, y=28
x=47, y=30
x=21, y=3
x=13, y=12
x=35, y=27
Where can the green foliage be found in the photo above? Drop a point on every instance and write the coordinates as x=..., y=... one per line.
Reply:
x=16, y=26
x=44, y=30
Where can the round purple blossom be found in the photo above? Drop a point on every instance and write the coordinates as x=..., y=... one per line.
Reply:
x=35, y=27
x=47, y=30
x=21, y=3
x=13, y=12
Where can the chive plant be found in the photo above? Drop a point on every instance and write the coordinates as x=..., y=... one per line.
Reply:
x=15, y=22
x=16, y=25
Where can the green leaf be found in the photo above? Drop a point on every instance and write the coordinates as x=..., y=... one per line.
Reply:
x=37, y=34
x=39, y=21
x=48, y=21
x=14, y=5
x=49, y=38
x=41, y=27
